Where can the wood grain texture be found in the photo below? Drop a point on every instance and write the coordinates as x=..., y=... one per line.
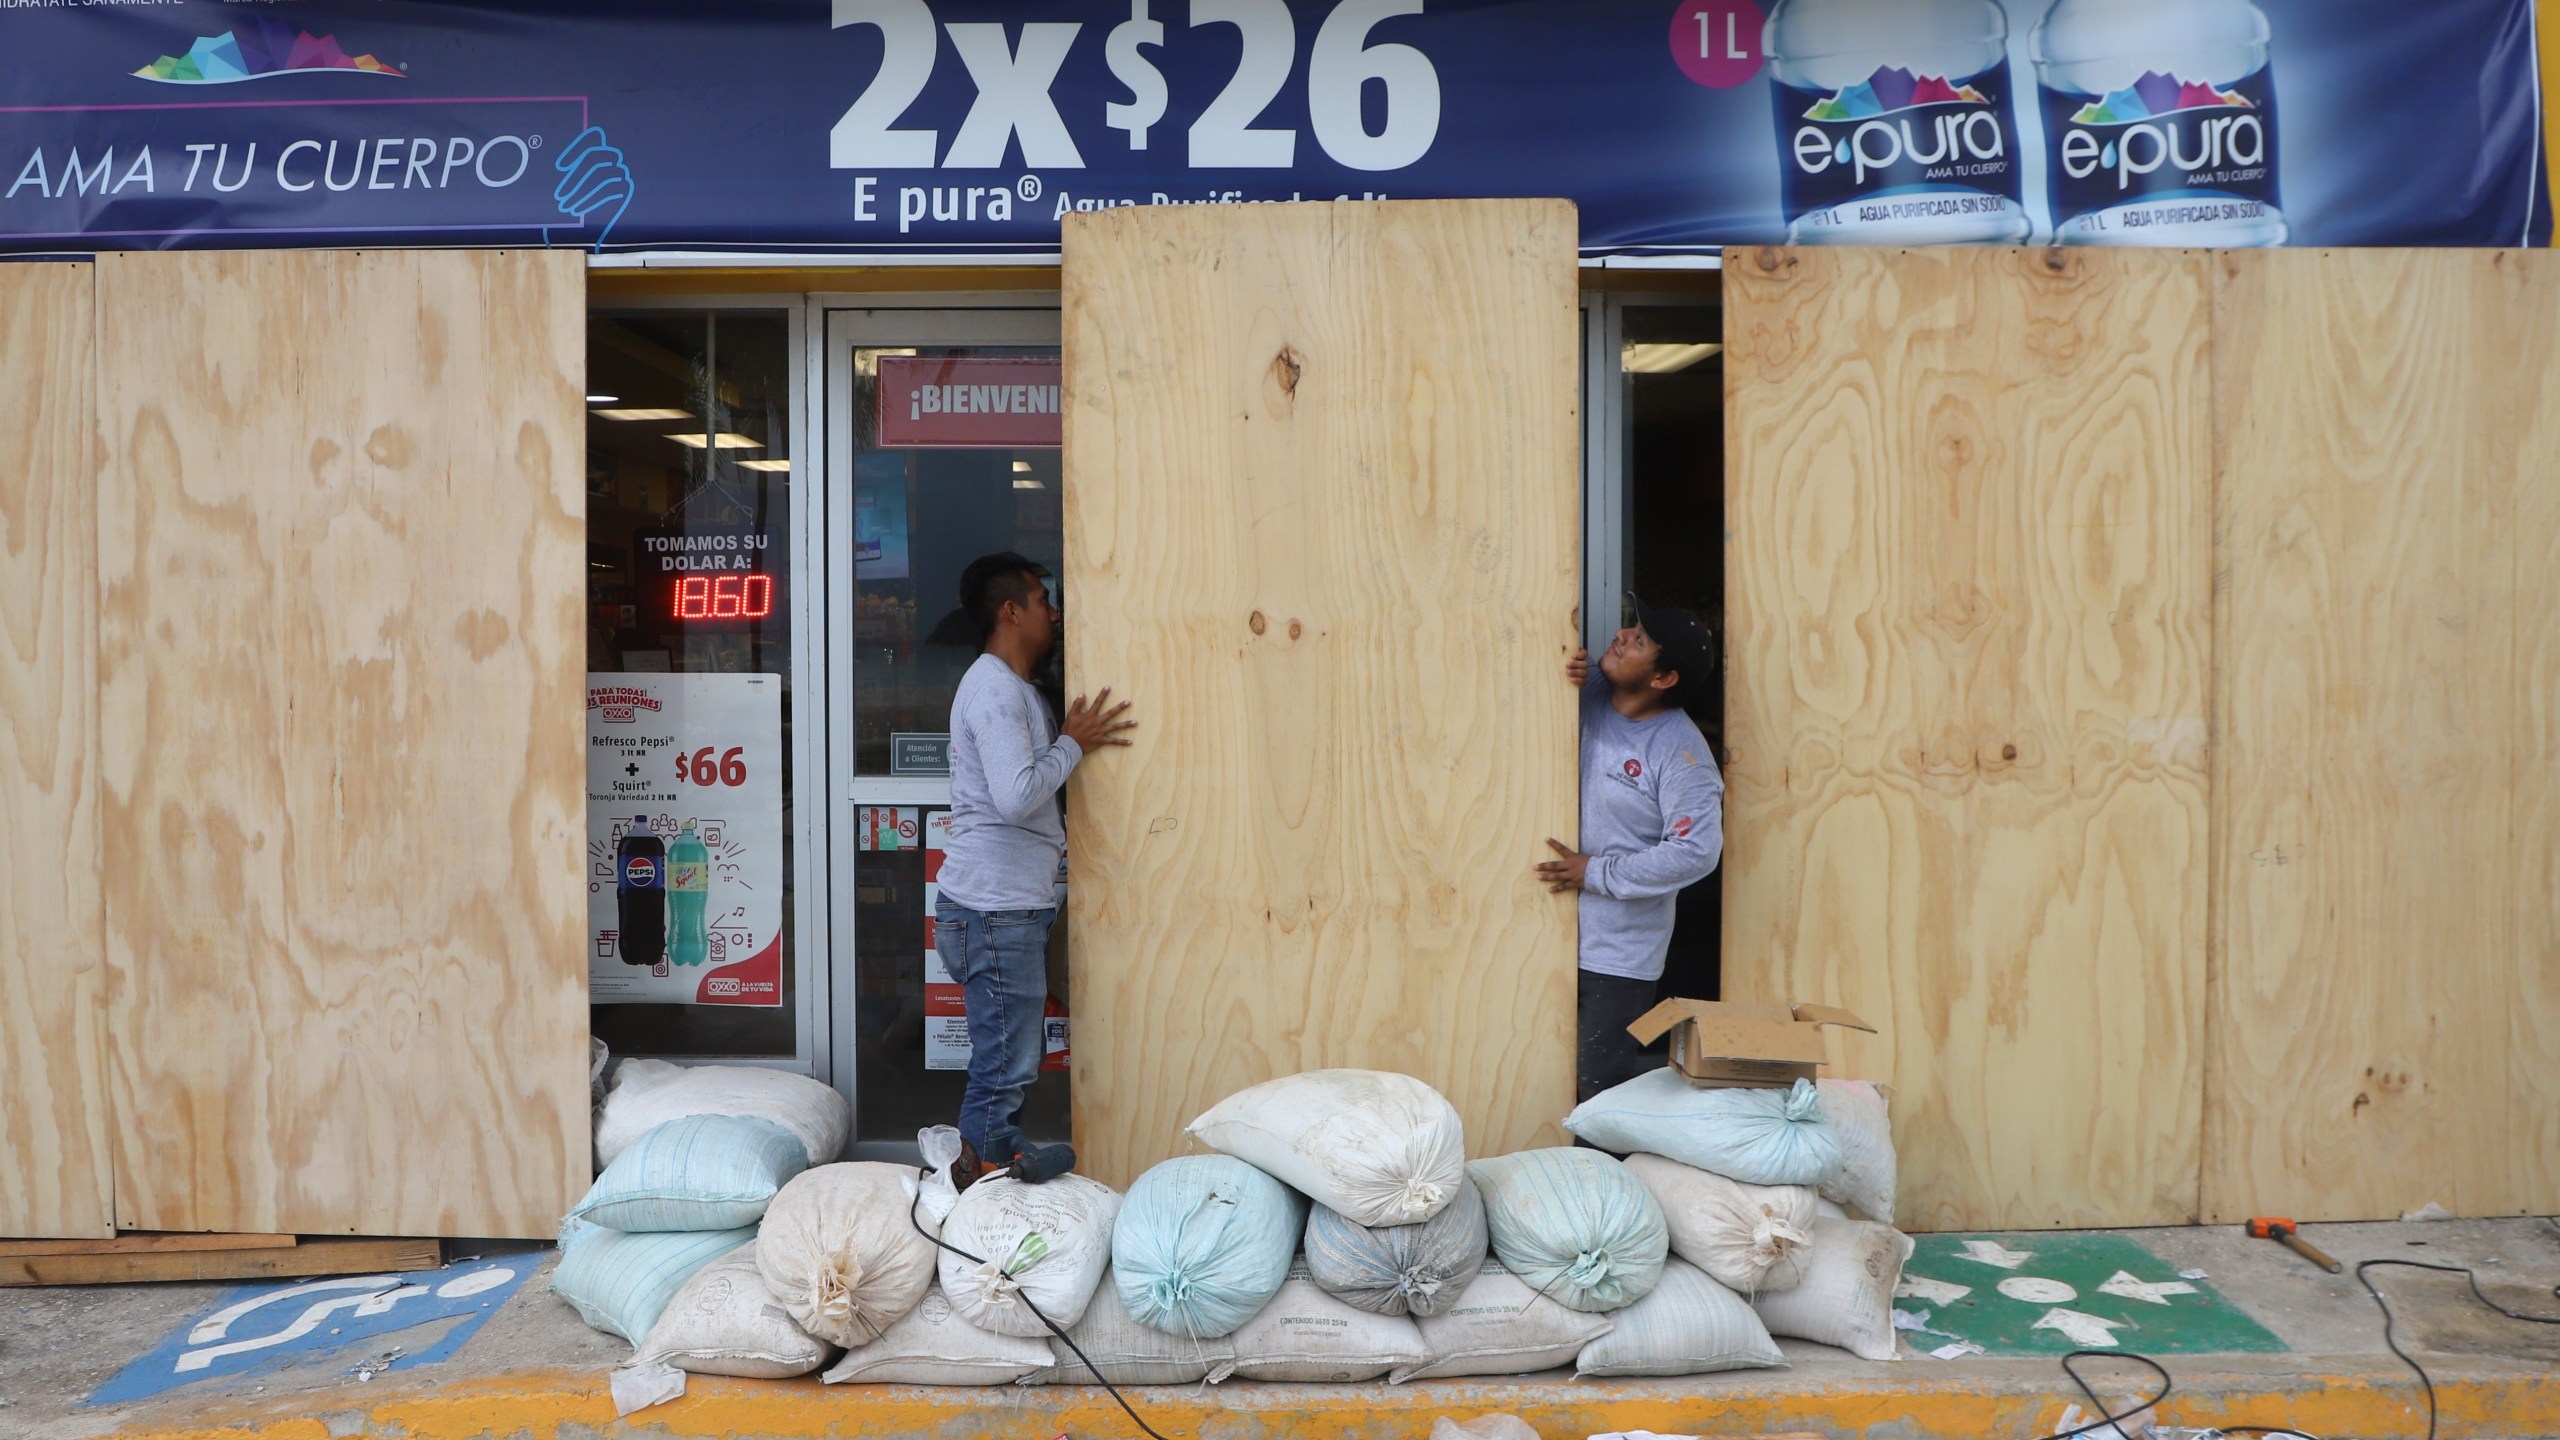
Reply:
x=140, y=1242
x=1969, y=599
x=2386, y=989
x=342, y=545
x=54, y=1174
x=1321, y=524
x=319, y=1257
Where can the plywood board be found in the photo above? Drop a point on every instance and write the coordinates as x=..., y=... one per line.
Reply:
x=2385, y=985
x=54, y=1175
x=1968, y=591
x=320, y=1257
x=342, y=545
x=1321, y=525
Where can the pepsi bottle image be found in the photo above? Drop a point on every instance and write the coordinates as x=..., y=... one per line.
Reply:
x=640, y=894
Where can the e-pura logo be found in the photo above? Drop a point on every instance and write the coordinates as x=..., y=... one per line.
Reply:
x=260, y=49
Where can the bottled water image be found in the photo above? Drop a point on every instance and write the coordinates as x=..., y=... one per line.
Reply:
x=2160, y=122
x=1895, y=124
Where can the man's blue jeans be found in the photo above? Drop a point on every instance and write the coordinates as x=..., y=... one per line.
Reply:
x=1001, y=960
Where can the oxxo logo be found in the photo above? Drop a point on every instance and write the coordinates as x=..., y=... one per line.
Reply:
x=1947, y=138
x=2188, y=144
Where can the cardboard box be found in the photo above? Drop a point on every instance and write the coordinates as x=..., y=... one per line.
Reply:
x=1718, y=1045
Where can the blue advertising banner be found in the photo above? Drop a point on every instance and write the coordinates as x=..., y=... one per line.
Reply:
x=970, y=126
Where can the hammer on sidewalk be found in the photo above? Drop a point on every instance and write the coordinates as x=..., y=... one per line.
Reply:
x=2277, y=1227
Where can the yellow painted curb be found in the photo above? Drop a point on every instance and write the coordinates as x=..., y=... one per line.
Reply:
x=561, y=1405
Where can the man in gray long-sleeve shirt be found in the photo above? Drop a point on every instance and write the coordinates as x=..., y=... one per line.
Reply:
x=1652, y=824
x=1007, y=849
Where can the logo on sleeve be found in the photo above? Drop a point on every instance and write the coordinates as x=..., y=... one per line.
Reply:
x=1680, y=828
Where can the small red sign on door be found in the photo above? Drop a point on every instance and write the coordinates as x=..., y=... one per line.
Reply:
x=955, y=403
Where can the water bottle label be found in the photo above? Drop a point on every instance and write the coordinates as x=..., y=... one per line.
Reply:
x=2181, y=152
x=1899, y=147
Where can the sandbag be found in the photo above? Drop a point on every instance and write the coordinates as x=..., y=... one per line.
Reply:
x=1502, y=1327
x=648, y=1093
x=933, y=1345
x=724, y=1322
x=1748, y=1238
x=1689, y=1325
x=1128, y=1353
x=1760, y=1137
x=1381, y=1148
x=701, y=1172
x=1413, y=1270
x=1868, y=1167
x=1201, y=1242
x=1305, y=1334
x=841, y=1255
x=1047, y=1243
x=1574, y=1224
x=621, y=1283
x=1846, y=1298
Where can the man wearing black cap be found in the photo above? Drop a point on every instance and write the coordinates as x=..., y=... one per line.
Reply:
x=1652, y=824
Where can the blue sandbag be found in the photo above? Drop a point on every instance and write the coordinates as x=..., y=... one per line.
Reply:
x=1759, y=1137
x=1202, y=1244
x=1575, y=1225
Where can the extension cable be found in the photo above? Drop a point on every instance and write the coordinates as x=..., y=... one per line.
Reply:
x=915, y=1203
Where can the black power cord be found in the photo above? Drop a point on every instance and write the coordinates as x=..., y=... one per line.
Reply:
x=2388, y=1320
x=2167, y=1385
x=915, y=1218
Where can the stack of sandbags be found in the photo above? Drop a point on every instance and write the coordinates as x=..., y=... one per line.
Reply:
x=648, y=1093
x=676, y=1196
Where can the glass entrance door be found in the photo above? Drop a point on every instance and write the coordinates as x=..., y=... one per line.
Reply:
x=943, y=436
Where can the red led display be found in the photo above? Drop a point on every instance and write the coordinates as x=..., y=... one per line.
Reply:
x=722, y=597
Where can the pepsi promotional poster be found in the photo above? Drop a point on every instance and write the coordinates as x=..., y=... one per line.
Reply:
x=969, y=127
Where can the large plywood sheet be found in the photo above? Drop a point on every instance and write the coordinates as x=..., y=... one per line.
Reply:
x=1969, y=596
x=54, y=1176
x=2387, y=963
x=342, y=547
x=1321, y=501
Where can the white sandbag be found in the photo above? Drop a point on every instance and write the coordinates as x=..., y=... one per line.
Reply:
x=1413, y=1270
x=724, y=1322
x=1748, y=1238
x=648, y=1093
x=622, y=1283
x=1202, y=1241
x=841, y=1255
x=1305, y=1334
x=1502, y=1327
x=1689, y=1325
x=1846, y=1298
x=1760, y=1137
x=1868, y=1168
x=1824, y=1209
x=1128, y=1353
x=1047, y=1243
x=1574, y=1224
x=933, y=1345
x=1381, y=1148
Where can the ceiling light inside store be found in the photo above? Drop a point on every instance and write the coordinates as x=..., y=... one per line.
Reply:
x=725, y=440
x=1021, y=467
x=602, y=399
x=642, y=414
x=770, y=466
x=1664, y=359
x=866, y=363
x=1026, y=482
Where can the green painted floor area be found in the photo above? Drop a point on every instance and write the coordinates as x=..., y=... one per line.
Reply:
x=2048, y=1294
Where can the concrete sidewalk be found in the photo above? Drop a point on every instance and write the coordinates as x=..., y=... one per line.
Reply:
x=534, y=1371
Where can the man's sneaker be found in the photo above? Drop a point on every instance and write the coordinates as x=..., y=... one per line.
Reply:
x=1028, y=1163
x=966, y=1167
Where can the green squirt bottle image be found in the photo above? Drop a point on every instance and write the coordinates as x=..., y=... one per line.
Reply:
x=688, y=896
